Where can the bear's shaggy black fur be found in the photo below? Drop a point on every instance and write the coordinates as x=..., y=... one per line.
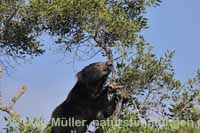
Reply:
x=84, y=102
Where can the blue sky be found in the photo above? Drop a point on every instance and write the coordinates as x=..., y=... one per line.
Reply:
x=175, y=25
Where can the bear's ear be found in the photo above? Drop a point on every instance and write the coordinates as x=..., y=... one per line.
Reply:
x=79, y=76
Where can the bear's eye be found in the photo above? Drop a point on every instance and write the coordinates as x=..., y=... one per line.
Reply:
x=98, y=65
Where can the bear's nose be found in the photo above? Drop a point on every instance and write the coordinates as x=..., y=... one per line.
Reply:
x=109, y=63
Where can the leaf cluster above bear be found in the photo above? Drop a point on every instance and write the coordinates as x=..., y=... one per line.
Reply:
x=87, y=101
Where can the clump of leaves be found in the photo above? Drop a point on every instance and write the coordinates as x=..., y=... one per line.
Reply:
x=18, y=34
x=26, y=125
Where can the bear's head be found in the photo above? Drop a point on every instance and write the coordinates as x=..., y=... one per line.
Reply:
x=94, y=76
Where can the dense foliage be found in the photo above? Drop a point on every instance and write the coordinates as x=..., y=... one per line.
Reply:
x=18, y=33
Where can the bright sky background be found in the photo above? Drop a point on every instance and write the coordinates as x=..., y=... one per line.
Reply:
x=175, y=25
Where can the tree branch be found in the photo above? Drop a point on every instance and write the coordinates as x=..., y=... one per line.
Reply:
x=109, y=53
x=15, y=98
x=9, y=108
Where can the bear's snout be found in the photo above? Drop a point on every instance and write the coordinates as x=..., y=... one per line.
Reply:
x=109, y=65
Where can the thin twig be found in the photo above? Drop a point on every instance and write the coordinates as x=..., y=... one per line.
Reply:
x=1, y=71
x=147, y=97
x=15, y=98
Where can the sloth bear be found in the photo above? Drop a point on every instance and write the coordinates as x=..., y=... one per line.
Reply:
x=86, y=101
